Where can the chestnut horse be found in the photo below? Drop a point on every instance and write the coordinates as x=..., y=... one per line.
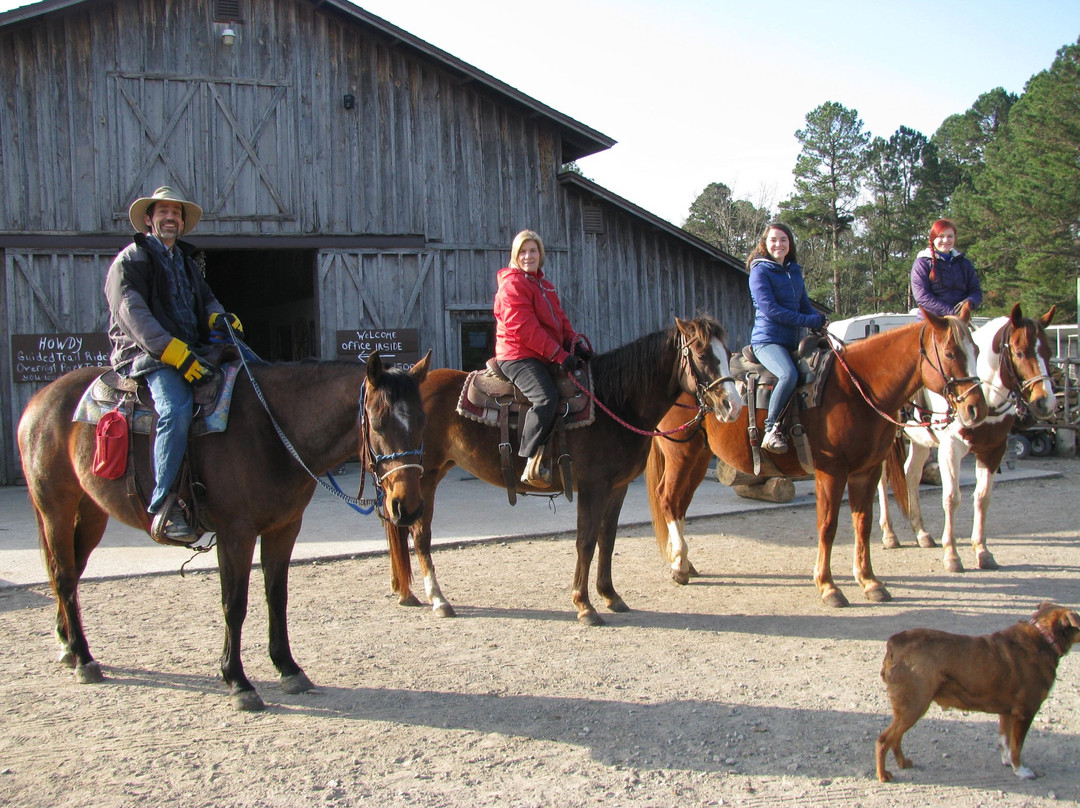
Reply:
x=1013, y=367
x=254, y=487
x=850, y=433
x=638, y=383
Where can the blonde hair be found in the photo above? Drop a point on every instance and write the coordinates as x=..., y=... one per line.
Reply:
x=519, y=240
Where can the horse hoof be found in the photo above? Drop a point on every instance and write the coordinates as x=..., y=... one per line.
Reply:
x=954, y=565
x=410, y=600
x=890, y=542
x=617, y=604
x=88, y=674
x=67, y=659
x=444, y=610
x=247, y=701
x=878, y=594
x=835, y=599
x=986, y=561
x=297, y=683
x=680, y=577
x=926, y=540
x=590, y=618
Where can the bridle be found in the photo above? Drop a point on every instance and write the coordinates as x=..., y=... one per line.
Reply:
x=371, y=459
x=1019, y=389
x=951, y=382
x=701, y=388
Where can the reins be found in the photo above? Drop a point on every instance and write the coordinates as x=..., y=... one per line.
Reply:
x=356, y=503
x=949, y=381
x=684, y=348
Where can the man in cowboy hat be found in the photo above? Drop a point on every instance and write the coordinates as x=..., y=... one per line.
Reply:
x=161, y=313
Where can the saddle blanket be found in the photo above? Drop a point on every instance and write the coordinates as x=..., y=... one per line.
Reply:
x=100, y=398
x=484, y=390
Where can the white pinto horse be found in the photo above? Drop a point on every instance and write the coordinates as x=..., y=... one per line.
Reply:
x=1013, y=367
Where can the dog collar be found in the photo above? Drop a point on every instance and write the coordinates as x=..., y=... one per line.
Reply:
x=1046, y=635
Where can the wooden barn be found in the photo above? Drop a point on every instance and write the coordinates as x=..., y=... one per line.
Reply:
x=361, y=188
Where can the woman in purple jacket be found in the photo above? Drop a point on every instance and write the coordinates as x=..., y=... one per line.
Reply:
x=782, y=310
x=942, y=279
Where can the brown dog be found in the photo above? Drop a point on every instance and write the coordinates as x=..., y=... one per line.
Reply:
x=1008, y=673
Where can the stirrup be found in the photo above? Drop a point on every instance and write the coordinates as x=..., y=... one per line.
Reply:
x=536, y=473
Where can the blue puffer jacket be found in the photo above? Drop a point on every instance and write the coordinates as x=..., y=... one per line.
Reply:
x=782, y=307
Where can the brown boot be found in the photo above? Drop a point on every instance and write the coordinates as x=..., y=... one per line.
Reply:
x=536, y=473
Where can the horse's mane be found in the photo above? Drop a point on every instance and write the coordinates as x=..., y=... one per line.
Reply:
x=621, y=374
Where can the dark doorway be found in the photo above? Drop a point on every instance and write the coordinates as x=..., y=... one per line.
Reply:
x=273, y=294
x=477, y=344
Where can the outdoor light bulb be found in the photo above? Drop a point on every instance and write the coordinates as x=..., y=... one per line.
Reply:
x=228, y=36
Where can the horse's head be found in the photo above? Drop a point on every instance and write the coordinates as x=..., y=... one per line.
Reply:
x=392, y=435
x=1022, y=352
x=703, y=367
x=948, y=364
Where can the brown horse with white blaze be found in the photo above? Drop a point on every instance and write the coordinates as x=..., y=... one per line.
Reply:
x=850, y=432
x=254, y=487
x=637, y=383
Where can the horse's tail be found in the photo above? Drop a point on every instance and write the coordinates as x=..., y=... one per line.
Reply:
x=397, y=540
x=655, y=467
x=894, y=473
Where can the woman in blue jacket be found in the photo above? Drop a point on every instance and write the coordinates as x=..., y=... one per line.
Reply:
x=781, y=310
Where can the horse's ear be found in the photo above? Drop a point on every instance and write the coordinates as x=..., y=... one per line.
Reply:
x=965, y=311
x=935, y=320
x=1016, y=317
x=375, y=368
x=683, y=326
x=1048, y=317
x=420, y=369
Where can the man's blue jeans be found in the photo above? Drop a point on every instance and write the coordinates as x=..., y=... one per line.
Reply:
x=777, y=359
x=174, y=403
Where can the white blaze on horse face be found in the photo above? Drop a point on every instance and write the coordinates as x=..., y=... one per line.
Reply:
x=733, y=402
x=400, y=412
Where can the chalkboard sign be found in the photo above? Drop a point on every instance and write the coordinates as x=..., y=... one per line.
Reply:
x=399, y=346
x=44, y=357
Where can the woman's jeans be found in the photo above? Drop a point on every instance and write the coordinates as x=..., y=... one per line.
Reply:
x=174, y=403
x=777, y=360
x=533, y=378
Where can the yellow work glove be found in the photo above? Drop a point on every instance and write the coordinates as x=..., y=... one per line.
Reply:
x=218, y=320
x=179, y=355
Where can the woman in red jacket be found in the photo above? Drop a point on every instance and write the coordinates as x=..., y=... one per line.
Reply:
x=533, y=334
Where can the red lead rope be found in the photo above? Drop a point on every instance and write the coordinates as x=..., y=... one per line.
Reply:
x=692, y=422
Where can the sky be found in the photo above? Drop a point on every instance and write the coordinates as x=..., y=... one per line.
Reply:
x=702, y=91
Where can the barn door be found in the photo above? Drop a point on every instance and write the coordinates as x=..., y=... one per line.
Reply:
x=380, y=290
x=46, y=293
x=241, y=134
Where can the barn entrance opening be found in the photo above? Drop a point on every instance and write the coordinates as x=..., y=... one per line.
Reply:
x=273, y=294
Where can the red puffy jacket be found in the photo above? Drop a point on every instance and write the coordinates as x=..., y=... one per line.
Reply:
x=529, y=320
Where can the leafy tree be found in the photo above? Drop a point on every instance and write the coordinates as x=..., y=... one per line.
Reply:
x=891, y=222
x=962, y=140
x=733, y=225
x=1026, y=201
x=827, y=181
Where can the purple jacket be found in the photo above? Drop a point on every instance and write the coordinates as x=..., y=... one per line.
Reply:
x=956, y=282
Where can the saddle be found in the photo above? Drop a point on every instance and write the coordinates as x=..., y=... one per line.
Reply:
x=813, y=361
x=489, y=397
x=111, y=392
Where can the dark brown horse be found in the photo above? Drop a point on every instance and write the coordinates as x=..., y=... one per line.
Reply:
x=254, y=487
x=1014, y=368
x=638, y=382
x=850, y=433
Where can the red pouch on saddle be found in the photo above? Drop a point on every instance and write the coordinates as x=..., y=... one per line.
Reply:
x=111, y=446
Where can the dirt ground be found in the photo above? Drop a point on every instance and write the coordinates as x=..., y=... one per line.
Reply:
x=739, y=689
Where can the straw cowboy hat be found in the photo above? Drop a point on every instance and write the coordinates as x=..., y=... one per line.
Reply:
x=137, y=211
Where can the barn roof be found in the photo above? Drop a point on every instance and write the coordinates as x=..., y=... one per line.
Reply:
x=578, y=140
x=589, y=187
